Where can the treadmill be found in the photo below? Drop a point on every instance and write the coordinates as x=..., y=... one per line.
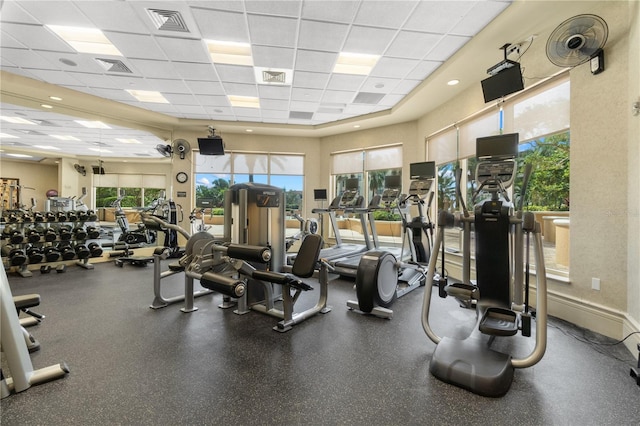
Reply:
x=350, y=201
x=348, y=265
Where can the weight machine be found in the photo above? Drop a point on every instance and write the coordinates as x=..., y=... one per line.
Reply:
x=501, y=290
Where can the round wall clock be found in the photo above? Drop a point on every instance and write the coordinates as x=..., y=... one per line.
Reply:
x=182, y=177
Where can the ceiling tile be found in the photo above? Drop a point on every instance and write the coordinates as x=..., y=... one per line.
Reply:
x=322, y=36
x=275, y=115
x=316, y=61
x=274, y=92
x=372, y=41
x=184, y=50
x=137, y=46
x=423, y=69
x=393, y=67
x=166, y=85
x=336, y=11
x=154, y=69
x=274, y=104
x=212, y=100
x=36, y=37
x=219, y=25
x=406, y=86
x=312, y=95
x=336, y=96
x=235, y=74
x=447, y=47
x=412, y=44
x=311, y=80
x=25, y=58
x=379, y=84
x=113, y=16
x=13, y=12
x=195, y=71
x=189, y=110
x=10, y=42
x=94, y=80
x=272, y=31
x=478, y=17
x=239, y=89
x=345, y=82
x=205, y=87
x=55, y=77
x=273, y=57
x=437, y=16
x=281, y=8
x=390, y=14
x=62, y=13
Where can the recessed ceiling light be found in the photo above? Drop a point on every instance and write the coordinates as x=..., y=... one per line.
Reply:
x=65, y=137
x=244, y=101
x=86, y=40
x=46, y=106
x=99, y=150
x=148, y=96
x=130, y=141
x=92, y=124
x=249, y=130
x=229, y=52
x=46, y=147
x=68, y=62
x=355, y=63
x=356, y=126
x=20, y=155
x=55, y=98
x=453, y=82
x=16, y=120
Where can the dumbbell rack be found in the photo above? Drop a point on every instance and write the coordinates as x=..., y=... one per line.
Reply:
x=56, y=230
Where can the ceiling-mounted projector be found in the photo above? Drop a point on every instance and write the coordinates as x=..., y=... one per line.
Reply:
x=503, y=65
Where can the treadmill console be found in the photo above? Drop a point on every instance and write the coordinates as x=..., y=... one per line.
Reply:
x=420, y=188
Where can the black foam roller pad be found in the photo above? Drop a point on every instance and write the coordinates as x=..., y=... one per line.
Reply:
x=224, y=285
x=250, y=253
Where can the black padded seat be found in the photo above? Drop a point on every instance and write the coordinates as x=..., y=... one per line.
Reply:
x=176, y=267
x=26, y=301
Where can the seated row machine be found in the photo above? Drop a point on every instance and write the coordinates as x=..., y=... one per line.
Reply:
x=499, y=295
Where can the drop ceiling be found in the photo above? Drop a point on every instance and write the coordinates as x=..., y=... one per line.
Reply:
x=163, y=49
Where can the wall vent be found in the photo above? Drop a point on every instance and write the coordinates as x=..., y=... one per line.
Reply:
x=167, y=20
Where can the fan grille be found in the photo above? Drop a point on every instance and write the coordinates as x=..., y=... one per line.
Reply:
x=575, y=40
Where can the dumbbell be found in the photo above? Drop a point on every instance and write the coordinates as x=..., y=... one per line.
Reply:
x=95, y=249
x=38, y=217
x=16, y=256
x=67, y=252
x=65, y=233
x=50, y=216
x=83, y=216
x=72, y=216
x=82, y=251
x=92, y=216
x=93, y=232
x=11, y=218
x=27, y=218
x=51, y=254
x=33, y=236
x=16, y=237
x=35, y=254
x=80, y=233
x=62, y=216
x=50, y=235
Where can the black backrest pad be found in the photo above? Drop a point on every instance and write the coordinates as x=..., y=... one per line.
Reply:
x=307, y=257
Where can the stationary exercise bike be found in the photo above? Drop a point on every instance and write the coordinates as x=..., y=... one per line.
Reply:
x=141, y=235
x=498, y=294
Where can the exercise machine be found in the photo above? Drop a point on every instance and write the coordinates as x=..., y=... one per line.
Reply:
x=381, y=277
x=500, y=293
x=12, y=340
x=141, y=235
x=350, y=199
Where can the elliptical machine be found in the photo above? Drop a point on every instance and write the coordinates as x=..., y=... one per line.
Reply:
x=382, y=278
x=141, y=235
x=499, y=294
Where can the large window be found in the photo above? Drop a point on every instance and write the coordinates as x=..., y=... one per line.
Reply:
x=215, y=174
x=139, y=190
x=541, y=118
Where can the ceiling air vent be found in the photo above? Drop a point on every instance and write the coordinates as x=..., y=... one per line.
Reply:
x=113, y=65
x=274, y=77
x=167, y=20
x=301, y=115
x=368, y=98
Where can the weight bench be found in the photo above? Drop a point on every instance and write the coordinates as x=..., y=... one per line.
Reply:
x=23, y=304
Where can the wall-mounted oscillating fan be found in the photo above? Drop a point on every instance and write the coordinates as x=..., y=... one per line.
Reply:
x=80, y=169
x=577, y=40
x=182, y=147
x=165, y=150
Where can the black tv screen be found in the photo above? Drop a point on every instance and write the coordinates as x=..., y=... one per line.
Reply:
x=498, y=146
x=352, y=184
x=425, y=170
x=319, y=194
x=502, y=84
x=393, y=181
x=211, y=146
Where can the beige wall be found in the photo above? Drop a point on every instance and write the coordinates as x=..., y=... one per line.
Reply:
x=39, y=176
